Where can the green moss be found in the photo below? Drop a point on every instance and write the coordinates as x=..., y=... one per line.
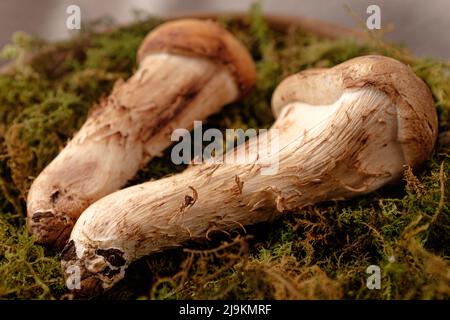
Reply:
x=318, y=252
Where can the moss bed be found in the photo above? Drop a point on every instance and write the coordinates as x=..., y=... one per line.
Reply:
x=320, y=252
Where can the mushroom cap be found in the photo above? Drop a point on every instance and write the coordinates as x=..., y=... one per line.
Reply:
x=205, y=39
x=416, y=113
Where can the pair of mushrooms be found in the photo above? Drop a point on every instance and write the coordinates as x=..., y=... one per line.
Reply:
x=343, y=132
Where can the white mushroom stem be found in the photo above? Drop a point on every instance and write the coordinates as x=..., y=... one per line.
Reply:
x=132, y=126
x=127, y=129
x=326, y=152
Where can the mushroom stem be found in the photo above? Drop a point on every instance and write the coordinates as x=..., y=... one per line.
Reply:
x=332, y=151
x=171, y=89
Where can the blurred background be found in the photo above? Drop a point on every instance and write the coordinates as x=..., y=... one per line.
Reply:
x=423, y=26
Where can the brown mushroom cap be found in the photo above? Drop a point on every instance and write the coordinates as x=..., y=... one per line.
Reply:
x=202, y=38
x=417, y=117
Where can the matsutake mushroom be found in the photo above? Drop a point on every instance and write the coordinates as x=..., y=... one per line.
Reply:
x=343, y=132
x=188, y=69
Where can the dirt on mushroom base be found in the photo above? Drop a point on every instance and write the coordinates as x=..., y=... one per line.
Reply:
x=317, y=253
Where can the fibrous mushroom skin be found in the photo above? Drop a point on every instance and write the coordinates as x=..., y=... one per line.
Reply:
x=173, y=87
x=331, y=147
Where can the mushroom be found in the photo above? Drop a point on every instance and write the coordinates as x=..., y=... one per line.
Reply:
x=188, y=69
x=343, y=132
